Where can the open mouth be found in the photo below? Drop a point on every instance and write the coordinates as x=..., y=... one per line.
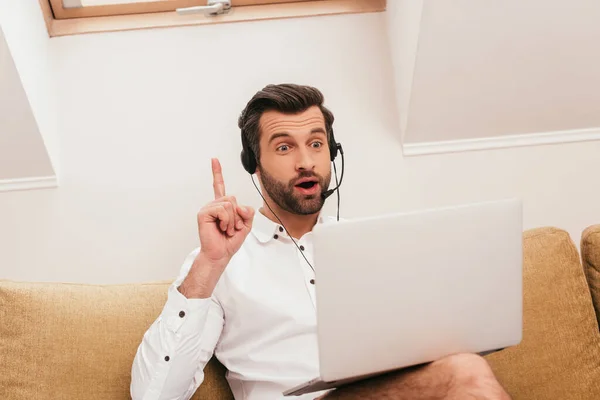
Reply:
x=308, y=185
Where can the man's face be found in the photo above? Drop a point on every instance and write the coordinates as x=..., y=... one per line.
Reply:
x=294, y=165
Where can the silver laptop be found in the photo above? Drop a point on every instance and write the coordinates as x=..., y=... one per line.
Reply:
x=406, y=289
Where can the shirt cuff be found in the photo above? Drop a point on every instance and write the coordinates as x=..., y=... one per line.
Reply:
x=183, y=315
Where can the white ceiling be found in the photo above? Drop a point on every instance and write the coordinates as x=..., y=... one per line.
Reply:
x=470, y=69
x=22, y=150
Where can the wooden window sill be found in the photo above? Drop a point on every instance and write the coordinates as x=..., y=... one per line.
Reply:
x=75, y=26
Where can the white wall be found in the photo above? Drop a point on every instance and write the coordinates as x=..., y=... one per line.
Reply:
x=141, y=113
x=25, y=32
x=510, y=67
x=403, y=22
x=22, y=150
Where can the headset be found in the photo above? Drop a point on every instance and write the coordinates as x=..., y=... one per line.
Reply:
x=250, y=163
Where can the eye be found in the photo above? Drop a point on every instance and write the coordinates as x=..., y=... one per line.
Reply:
x=283, y=147
x=317, y=145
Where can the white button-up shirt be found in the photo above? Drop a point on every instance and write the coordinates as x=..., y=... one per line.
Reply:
x=260, y=323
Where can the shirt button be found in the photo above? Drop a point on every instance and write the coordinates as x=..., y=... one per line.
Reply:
x=275, y=236
x=167, y=358
x=280, y=229
x=181, y=314
x=312, y=281
x=301, y=247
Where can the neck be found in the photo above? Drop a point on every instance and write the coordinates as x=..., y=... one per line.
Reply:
x=297, y=225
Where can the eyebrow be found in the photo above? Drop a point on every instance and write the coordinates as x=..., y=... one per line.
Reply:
x=285, y=134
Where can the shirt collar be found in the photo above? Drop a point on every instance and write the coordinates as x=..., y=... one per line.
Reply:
x=264, y=229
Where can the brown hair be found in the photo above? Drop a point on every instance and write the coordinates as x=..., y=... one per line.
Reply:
x=286, y=98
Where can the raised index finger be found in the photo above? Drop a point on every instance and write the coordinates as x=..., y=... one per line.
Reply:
x=218, y=183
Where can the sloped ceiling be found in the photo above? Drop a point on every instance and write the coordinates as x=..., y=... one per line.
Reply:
x=22, y=151
x=471, y=69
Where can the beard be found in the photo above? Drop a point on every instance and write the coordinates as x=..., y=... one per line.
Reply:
x=285, y=196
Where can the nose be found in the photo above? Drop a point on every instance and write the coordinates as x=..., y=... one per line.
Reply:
x=305, y=160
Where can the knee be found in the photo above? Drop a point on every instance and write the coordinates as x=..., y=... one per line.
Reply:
x=472, y=377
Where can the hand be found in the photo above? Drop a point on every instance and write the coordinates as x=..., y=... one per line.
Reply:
x=222, y=227
x=222, y=224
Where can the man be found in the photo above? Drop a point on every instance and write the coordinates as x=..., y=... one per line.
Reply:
x=247, y=293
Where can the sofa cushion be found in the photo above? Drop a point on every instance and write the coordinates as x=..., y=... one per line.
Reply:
x=559, y=357
x=590, y=255
x=75, y=341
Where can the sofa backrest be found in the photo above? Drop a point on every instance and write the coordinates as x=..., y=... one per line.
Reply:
x=75, y=341
x=560, y=352
x=590, y=255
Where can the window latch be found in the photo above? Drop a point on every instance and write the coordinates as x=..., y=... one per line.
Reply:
x=213, y=7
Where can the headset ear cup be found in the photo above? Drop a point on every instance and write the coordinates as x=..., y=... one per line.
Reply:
x=251, y=164
x=244, y=159
x=333, y=145
x=247, y=156
x=333, y=148
x=248, y=160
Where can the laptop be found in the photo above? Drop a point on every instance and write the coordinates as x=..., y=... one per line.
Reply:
x=405, y=289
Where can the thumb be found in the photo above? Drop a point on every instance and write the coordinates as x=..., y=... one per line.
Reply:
x=247, y=214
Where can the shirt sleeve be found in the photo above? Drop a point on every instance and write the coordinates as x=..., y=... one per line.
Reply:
x=169, y=362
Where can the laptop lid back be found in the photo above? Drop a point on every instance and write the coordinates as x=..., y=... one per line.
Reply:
x=408, y=288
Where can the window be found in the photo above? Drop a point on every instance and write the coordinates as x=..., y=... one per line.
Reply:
x=100, y=8
x=64, y=17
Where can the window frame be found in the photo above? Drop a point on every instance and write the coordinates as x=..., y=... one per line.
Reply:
x=154, y=16
x=143, y=7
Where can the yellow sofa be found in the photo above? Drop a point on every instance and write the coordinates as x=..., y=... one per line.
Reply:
x=74, y=341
